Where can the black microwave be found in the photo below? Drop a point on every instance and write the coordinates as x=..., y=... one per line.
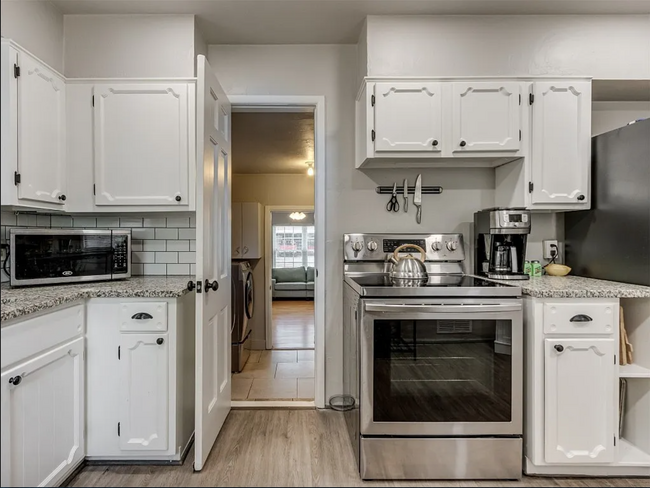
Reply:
x=52, y=256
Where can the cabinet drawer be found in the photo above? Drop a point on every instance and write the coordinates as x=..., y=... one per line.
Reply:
x=37, y=334
x=580, y=318
x=143, y=316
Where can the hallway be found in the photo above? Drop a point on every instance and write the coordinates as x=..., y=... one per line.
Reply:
x=293, y=324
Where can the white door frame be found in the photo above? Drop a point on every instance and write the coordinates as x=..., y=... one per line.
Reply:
x=268, y=252
x=281, y=103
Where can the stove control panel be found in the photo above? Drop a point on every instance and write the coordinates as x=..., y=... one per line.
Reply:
x=376, y=247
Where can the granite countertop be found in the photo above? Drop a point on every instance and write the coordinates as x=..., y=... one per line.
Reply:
x=16, y=302
x=578, y=287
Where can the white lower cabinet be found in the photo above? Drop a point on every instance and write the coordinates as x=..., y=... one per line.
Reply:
x=144, y=395
x=42, y=417
x=578, y=393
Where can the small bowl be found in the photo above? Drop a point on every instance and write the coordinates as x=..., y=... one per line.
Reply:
x=557, y=270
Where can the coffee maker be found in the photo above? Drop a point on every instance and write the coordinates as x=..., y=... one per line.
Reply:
x=500, y=249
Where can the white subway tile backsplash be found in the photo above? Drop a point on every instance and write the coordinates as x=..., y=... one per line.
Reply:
x=137, y=269
x=187, y=233
x=8, y=218
x=61, y=221
x=193, y=269
x=108, y=222
x=143, y=257
x=193, y=221
x=193, y=245
x=177, y=245
x=166, y=257
x=43, y=221
x=187, y=257
x=26, y=220
x=130, y=222
x=157, y=222
x=155, y=269
x=178, y=269
x=84, y=222
x=136, y=245
x=153, y=245
x=143, y=233
x=167, y=233
x=178, y=221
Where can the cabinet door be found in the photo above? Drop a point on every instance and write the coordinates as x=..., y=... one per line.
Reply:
x=579, y=400
x=142, y=144
x=486, y=117
x=408, y=117
x=41, y=132
x=561, y=142
x=252, y=245
x=43, y=417
x=144, y=397
x=236, y=237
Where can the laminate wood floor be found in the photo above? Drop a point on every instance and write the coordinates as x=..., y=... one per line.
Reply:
x=293, y=324
x=286, y=448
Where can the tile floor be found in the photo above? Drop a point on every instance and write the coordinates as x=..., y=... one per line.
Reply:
x=276, y=375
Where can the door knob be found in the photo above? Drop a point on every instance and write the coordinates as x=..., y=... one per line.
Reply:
x=191, y=285
x=160, y=341
x=214, y=286
x=558, y=347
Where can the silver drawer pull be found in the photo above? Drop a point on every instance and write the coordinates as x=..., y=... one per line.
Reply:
x=142, y=316
x=581, y=318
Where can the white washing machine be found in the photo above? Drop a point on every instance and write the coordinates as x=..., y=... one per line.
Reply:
x=242, y=312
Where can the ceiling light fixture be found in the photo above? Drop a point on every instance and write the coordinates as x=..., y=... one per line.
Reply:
x=297, y=216
x=310, y=168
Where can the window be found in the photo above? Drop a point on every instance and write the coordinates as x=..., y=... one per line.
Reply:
x=293, y=246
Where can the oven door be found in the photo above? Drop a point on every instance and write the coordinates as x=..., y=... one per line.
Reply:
x=450, y=367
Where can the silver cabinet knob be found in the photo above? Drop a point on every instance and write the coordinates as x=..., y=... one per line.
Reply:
x=245, y=249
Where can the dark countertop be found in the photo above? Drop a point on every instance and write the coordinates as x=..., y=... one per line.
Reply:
x=17, y=302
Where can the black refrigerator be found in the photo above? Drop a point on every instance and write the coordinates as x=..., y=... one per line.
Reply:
x=612, y=240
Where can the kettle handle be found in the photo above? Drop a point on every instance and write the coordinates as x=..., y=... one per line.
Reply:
x=423, y=253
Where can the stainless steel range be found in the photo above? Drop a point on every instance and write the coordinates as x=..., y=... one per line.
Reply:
x=435, y=369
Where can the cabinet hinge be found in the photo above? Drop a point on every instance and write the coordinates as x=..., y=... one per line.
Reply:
x=119, y=352
x=372, y=100
x=614, y=358
x=614, y=441
x=94, y=189
x=372, y=134
x=530, y=187
x=16, y=71
x=118, y=429
x=16, y=178
x=93, y=100
x=520, y=134
x=531, y=99
x=520, y=99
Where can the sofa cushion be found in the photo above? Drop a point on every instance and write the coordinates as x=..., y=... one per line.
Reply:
x=301, y=286
x=309, y=286
x=311, y=273
x=289, y=275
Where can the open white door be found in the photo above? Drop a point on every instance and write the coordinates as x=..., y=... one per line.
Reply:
x=212, y=261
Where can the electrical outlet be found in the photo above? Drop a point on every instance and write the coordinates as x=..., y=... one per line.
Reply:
x=551, y=249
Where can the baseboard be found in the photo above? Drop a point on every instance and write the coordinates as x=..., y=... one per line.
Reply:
x=612, y=470
x=257, y=344
x=77, y=469
x=277, y=404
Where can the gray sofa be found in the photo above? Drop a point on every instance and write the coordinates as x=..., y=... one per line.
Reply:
x=293, y=282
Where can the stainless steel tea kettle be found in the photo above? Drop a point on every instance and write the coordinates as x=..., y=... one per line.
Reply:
x=408, y=270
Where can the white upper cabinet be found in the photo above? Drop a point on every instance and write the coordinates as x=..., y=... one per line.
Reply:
x=144, y=401
x=143, y=144
x=578, y=397
x=33, y=131
x=247, y=230
x=561, y=144
x=486, y=117
x=408, y=117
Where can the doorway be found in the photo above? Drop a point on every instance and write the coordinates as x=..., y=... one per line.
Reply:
x=276, y=173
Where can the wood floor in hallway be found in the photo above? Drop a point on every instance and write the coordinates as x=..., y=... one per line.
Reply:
x=287, y=448
x=293, y=324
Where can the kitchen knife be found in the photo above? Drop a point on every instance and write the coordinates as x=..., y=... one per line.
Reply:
x=406, y=195
x=417, y=198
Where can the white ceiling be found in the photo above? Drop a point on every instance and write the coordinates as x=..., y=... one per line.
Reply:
x=272, y=142
x=328, y=21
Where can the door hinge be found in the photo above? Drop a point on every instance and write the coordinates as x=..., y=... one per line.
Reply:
x=614, y=358
x=520, y=134
x=372, y=134
x=531, y=99
x=530, y=187
x=520, y=99
x=94, y=189
x=93, y=100
x=119, y=352
x=16, y=71
x=614, y=441
x=118, y=429
x=16, y=178
x=372, y=100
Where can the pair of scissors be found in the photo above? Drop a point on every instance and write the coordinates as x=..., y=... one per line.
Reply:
x=393, y=204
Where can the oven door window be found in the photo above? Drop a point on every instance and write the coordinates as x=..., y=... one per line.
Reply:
x=442, y=370
x=53, y=256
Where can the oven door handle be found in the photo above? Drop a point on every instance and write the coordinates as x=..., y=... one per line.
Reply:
x=406, y=307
